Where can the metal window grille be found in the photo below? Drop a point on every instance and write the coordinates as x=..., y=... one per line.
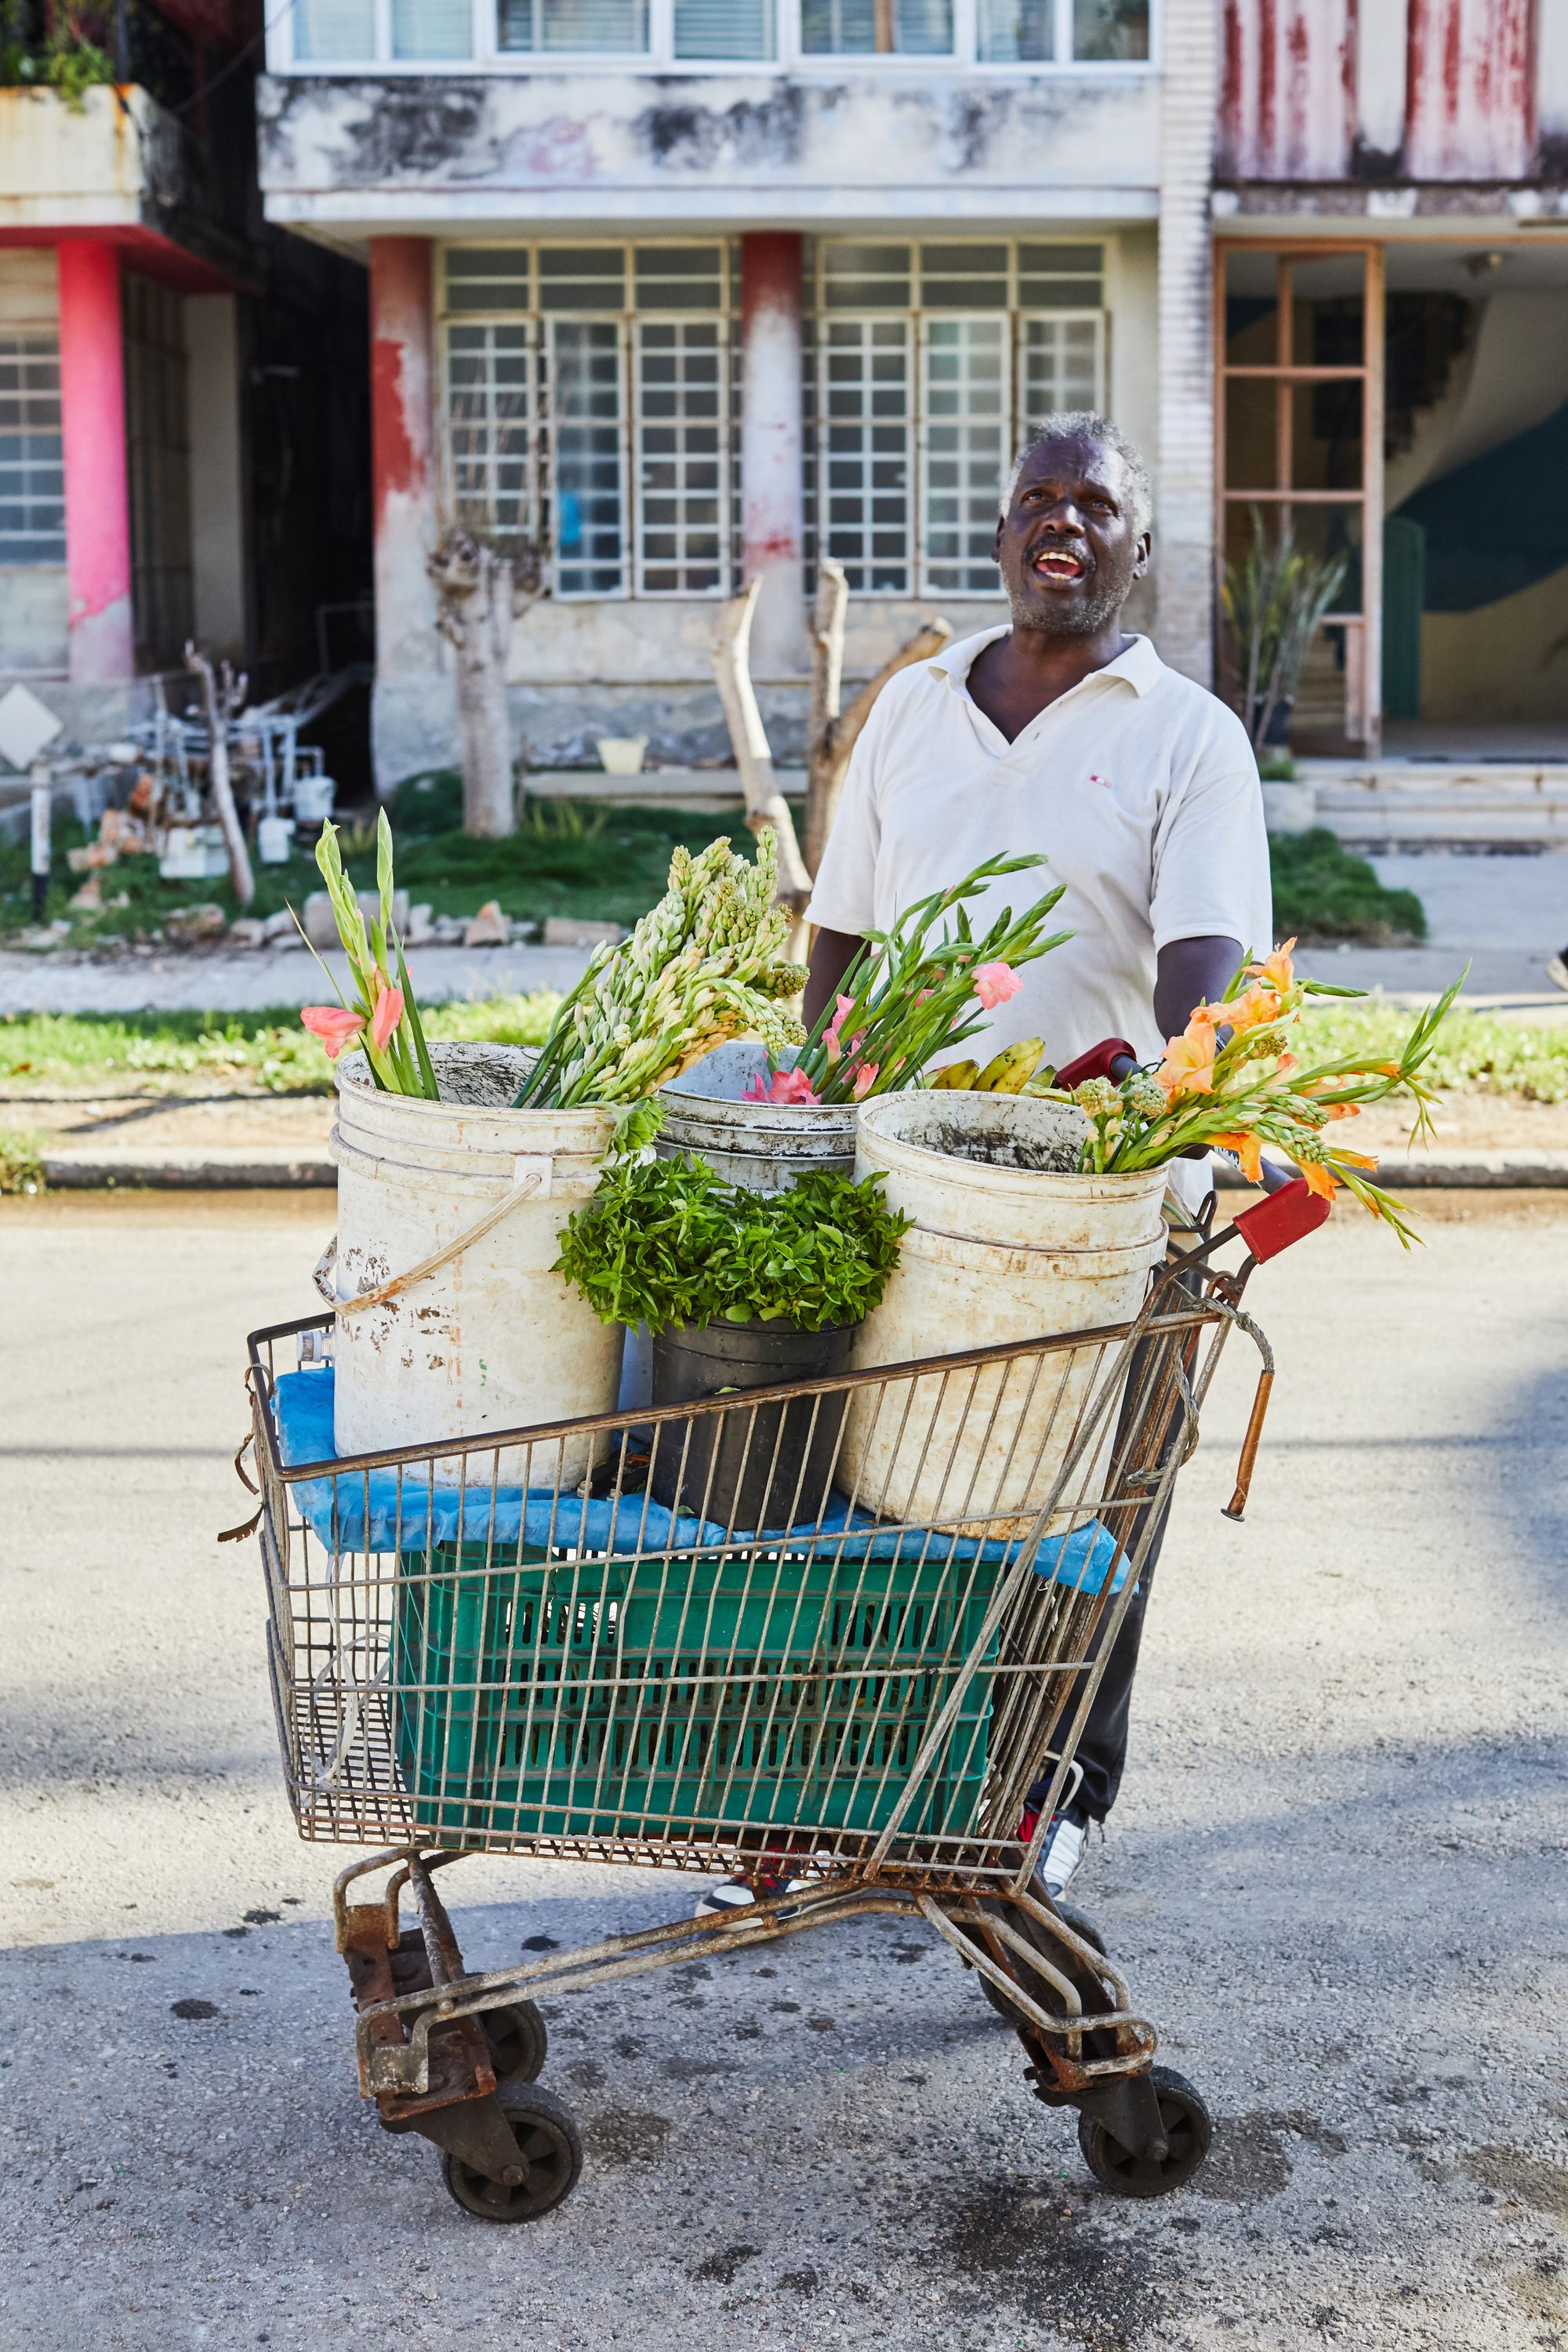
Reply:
x=574, y=26
x=158, y=471
x=1109, y=31
x=725, y=28
x=683, y=504
x=32, y=472
x=864, y=433
x=491, y=415
x=965, y=436
x=334, y=32
x=588, y=502
x=912, y=28
x=1015, y=32
x=431, y=28
x=1061, y=364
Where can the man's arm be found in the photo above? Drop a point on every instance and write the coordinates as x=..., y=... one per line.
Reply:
x=832, y=954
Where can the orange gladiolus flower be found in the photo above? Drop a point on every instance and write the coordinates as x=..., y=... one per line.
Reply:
x=1320, y=1179
x=1248, y=1151
x=1250, y=1012
x=1277, y=970
x=1345, y=1111
x=1188, y=1066
x=1355, y=1159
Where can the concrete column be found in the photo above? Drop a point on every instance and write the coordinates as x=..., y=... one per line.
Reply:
x=101, y=631
x=219, y=556
x=402, y=453
x=773, y=491
x=1183, y=520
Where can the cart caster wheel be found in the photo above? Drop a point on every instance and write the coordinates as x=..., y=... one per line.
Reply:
x=1081, y=1924
x=551, y=2150
x=516, y=2040
x=1187, y=2129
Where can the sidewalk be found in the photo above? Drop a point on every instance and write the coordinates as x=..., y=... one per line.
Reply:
x=220, y=979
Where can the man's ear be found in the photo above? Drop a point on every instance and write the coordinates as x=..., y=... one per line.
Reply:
x=996, y=538
x=1140, y=561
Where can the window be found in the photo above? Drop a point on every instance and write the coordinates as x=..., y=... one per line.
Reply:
x=572, y=27
x=431, y=28
x=724, y=28
x=334, y=32
x=593, y=397
x=910, y=29
x=1082, y=32
x=32, y=474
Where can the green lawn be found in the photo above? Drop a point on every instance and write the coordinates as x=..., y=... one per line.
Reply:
x=270, y=1051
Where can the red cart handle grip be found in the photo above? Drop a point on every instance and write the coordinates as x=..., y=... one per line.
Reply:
x=1285, y=1217
x=1096, y=1062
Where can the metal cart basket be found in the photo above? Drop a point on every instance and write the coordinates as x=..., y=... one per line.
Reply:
x=853, y=1712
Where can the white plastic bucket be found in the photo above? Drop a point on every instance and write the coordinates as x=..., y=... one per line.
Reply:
x=490, y=1339
x=766, y=1146
x=997, y=1251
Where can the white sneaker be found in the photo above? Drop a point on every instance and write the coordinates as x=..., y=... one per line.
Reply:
x=1060, y=1854
x=737, y=1894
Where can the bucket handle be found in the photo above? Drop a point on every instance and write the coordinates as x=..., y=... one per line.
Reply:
x=531, y=1174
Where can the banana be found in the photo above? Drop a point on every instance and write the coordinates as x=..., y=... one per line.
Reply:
x=1012, y=1068
x=960, y=1074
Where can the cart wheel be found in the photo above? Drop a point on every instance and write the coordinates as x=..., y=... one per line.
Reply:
x=1187, y=2128
x=517, y=2041
x=551, y=2150
x=1081, y=1924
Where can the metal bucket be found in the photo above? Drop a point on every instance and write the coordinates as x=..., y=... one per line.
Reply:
x=1000, y=1250
x=490, y=1338
x=767, y=1146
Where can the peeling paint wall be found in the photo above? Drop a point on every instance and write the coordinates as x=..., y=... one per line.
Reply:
x=1289, y=97
x=442, y=149
x=1471, y=89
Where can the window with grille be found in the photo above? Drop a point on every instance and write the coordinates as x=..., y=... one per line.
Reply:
x=431, y=28
x=909, y=28
x=572, y=27
x=32, y=473
x=593, y=397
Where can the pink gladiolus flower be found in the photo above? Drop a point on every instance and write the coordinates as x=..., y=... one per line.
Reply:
x=335, y=1025
x=865, y=1079
x=994, y=984
x=388, y=1013
x=831, y=1046
x=788, y=1086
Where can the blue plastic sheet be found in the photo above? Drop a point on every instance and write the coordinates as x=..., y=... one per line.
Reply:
x=383, y=1511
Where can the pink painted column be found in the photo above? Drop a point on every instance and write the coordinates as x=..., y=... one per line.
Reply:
x=773, y=448
x=102, y=636
x=402, y=453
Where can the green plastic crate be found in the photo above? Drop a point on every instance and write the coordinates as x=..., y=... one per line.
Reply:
x=631, y=1697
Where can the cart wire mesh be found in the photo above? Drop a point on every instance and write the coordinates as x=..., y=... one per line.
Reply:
x=875, y=1672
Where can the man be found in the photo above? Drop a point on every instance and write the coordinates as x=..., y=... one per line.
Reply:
x=1064, y=735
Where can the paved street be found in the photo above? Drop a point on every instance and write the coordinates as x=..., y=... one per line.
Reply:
x=1334, y=1879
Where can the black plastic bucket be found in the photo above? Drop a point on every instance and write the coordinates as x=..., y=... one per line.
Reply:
x=752, y=1466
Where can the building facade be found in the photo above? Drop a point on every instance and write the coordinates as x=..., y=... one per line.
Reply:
x=180, y=387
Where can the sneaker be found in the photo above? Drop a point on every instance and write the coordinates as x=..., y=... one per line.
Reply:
x=1060, y=1854
x=737, y=1894
x=1557, y=971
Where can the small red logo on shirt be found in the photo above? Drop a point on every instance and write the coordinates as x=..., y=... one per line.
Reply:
x=1103, y=780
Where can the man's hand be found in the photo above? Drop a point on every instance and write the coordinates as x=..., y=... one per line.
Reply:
x=832, y=954
x=1190, y=973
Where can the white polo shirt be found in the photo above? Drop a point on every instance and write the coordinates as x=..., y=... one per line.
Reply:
x=1139, y=787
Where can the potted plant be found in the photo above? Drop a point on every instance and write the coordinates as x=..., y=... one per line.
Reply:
x=740, y=1290
x=1275, y=601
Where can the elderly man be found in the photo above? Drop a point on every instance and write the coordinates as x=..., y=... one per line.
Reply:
x=1062, y=734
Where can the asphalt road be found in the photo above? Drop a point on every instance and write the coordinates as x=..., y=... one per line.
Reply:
x=1335, y=1880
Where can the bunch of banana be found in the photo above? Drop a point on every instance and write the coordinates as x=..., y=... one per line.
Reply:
x=1007, y=1073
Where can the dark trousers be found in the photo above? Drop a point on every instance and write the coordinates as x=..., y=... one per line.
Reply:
x=1101, y=1753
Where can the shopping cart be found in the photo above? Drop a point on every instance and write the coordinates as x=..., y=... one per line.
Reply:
x=848, y=1709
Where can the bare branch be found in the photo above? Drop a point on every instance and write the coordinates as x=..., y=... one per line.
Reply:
x=833, y=734
x=766, y=808
x=222, y=702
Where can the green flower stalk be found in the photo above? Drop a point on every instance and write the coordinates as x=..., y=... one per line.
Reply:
x=384, y=1018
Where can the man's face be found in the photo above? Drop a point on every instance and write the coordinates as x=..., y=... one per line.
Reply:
x=1067, y=547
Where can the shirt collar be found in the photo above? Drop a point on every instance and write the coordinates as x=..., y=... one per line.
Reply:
x=1140, y=665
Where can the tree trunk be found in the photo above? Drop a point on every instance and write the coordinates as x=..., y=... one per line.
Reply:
x=221, y=706
x=767, y=810
x=832, y=734
x=478, y=593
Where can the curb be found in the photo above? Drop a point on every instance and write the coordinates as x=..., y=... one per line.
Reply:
x=216, y=1171
x=211, y=1171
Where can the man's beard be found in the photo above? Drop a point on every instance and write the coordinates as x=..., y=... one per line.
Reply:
x=1081, y=620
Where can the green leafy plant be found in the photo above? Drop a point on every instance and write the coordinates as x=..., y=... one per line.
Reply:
x=667, y=1241
x=1322, y=891
x=1275, y=600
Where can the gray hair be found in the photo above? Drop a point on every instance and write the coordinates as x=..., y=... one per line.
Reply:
x=1085, y=425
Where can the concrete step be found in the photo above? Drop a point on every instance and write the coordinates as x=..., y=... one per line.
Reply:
x=1432, y=801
